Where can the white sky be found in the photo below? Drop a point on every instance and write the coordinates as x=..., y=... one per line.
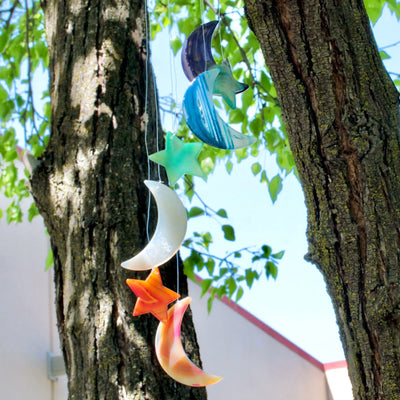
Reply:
x=296, y=304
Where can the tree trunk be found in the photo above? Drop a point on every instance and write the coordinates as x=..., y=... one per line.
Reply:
x=342, y=118
x=89, y=189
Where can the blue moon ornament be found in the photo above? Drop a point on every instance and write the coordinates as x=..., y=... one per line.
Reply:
x=202, y=118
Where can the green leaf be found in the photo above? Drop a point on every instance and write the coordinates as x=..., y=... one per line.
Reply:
x=274, y=187
x=205, y=285
x=210, y=265
x=229, y=232
x=195, y=212
x=236, y=116
x=374, y=9
x=266, y=251
x=256, y=126
x=279, y=255
x=271, y=269
x=232, y=286
x=222, y=213
x=188, y=269
x=32, y=212
x=228, y=167
x=210, y=301
x=250, y=275
x=14, y=213
x=49, y=260
x=384, y=55
x=256, y=168
x=239, y=294
x=176, y=44
x=222, y=272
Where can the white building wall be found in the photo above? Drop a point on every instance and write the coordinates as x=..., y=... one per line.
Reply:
x=26, y=311
x=253, y=364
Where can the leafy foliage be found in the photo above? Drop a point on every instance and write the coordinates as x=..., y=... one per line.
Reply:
x=258, y=114
x=23, y=50
x=24, y=54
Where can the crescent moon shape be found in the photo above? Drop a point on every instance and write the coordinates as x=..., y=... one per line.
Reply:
x=202, y=118
x=170, y=352
x=169, y=233
x=196, y=51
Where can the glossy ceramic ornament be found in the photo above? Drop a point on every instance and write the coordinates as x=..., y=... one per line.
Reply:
x=196, y=51
x=152, y=296
x=202, y=118
x=179, y=158
x=197, y=58
x=170, y=352
x=226, y=85
x=169, y=233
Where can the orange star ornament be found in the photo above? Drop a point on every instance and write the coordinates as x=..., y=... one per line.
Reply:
x=153, y=297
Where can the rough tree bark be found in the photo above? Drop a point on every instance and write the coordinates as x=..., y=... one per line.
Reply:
x=342, y=117
x=89, y=189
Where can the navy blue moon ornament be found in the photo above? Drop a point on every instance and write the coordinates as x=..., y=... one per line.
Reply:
x=202, y=118
x=196, y=51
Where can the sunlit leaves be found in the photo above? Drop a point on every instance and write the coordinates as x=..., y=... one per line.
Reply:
x=49, y=260
x=274, y=187
x=195, y=212
x=23, y=49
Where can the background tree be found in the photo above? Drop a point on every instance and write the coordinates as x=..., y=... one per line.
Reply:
x=341, y=113
x=341, y=116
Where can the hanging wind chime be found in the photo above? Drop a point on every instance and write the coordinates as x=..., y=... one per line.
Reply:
x=179, y=158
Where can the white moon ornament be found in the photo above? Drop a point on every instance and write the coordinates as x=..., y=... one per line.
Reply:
x=170, y=352
x=169, y=233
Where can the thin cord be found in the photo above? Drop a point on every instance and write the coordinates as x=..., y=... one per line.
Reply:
x=202, y=28
x=174, y=95
x=157, y=131
x=172, y=72
x=219, y=30
x=177, y=274
x=146, y=117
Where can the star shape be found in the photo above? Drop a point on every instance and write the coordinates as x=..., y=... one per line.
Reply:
x=226, y=85
x=179, y=158
x=153, y=297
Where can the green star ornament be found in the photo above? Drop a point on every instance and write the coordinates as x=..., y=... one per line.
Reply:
x=179, y=158
x=226, y=85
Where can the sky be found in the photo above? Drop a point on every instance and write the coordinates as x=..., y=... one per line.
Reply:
x=296, y=304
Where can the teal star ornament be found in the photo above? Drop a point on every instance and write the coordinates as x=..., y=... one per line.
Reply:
x=226, y=85
x=179, y=158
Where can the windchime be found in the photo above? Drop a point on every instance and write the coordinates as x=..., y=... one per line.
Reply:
x=179, y=158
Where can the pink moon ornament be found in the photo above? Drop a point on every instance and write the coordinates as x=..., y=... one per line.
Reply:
x=170, y=352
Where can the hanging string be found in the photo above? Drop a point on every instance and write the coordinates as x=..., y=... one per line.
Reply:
x=174, y=91
x=202, y=28
x=172, y=72
x=157, y=124
x=219, y=29
x=146, y=117
x=177, y=274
